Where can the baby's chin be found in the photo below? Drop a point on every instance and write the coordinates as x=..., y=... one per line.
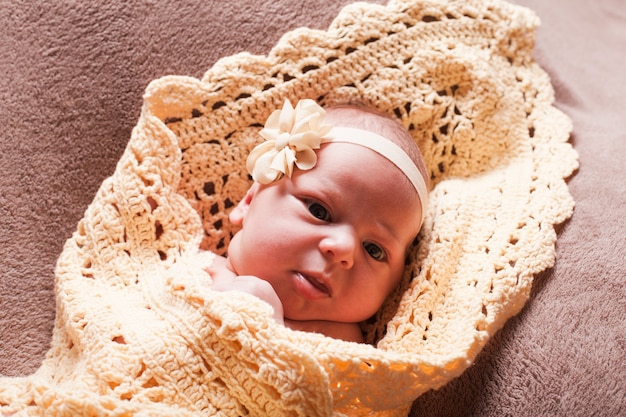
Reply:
x=323, y=318
x=344, y=331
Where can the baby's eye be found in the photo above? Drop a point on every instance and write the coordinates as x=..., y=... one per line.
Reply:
x=375, y=251
x=319, y=212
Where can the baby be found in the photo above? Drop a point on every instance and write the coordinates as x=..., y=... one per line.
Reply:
x=338, y=197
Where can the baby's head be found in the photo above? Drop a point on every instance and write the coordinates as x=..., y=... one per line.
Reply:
x=336, y=202
x=371, y=120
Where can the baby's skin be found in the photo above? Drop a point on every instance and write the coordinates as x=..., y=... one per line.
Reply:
x=325, y=246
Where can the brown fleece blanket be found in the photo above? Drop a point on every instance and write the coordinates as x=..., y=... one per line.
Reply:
x=73, y=75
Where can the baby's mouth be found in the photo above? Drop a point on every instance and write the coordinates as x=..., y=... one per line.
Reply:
x=317, y=283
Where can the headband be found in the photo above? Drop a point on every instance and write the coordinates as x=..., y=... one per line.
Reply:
x=292, y=135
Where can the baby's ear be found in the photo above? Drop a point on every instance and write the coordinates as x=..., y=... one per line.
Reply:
x=237, y=215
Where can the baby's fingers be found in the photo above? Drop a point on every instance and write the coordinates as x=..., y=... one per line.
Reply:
x=251, y=285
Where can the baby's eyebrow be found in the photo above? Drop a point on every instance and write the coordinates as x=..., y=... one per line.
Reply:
x=389, y=237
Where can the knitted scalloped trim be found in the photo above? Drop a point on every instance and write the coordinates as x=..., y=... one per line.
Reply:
x=138, y=329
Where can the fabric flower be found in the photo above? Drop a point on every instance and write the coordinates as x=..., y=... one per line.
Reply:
x=291, y=135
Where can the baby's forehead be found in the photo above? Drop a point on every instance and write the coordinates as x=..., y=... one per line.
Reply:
x=357, y=161
x=371, y=180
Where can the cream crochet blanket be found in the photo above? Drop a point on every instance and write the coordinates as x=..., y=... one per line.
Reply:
x=138, y=330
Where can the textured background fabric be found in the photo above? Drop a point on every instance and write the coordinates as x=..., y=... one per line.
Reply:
x=71, y=92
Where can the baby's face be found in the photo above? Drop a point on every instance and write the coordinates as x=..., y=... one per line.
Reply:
x=331, y=241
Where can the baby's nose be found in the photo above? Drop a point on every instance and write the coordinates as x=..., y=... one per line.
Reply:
x=340, y=245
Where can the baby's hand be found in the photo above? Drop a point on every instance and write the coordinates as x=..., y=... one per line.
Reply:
x=226, y=280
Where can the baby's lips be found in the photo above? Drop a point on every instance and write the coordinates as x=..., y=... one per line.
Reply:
x=318, y=282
